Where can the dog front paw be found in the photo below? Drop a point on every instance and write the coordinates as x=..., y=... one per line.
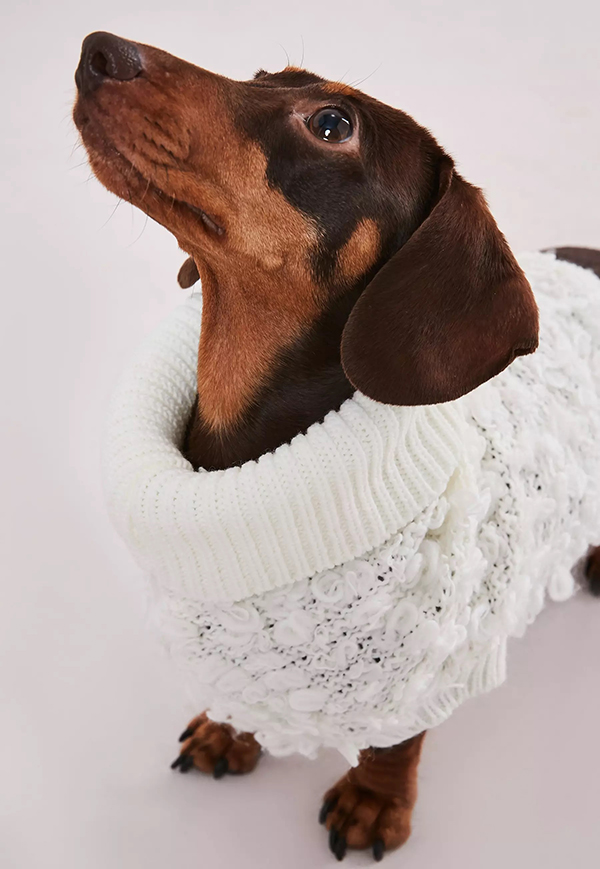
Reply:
x=360, y=818
x=216, y=749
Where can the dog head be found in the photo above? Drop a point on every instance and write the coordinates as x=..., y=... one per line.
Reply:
x=309, y=190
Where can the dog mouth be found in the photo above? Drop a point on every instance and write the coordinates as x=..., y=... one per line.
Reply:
x=131, y=184
x=173, y=202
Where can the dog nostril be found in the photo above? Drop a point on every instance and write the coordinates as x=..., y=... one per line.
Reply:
x=104, y=56
x=98, y=63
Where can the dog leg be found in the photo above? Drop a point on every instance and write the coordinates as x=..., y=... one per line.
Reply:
x=371, y=806
x=592, y=570
x=216, y=749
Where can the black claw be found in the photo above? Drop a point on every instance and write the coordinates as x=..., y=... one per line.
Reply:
x=186, y=763
x=221, y=767
x=189, y=731
x=177, y=761
x=325, y=809
x=378, y=849
x=333, y=839
x=340, y=848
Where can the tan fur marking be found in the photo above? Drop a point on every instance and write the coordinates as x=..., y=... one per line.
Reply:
x=360, y=251
x=255, y=309
x=244, y=328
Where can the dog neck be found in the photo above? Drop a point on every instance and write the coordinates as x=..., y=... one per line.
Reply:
x=268, y=365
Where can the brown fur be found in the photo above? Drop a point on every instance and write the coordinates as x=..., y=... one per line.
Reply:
x=338, y=87
x=216, y=749
x=372, y=805
x=587, y=258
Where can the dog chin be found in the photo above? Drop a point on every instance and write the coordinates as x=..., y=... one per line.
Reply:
x=122, y=178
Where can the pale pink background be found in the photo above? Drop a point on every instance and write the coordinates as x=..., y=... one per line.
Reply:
x=89, y=709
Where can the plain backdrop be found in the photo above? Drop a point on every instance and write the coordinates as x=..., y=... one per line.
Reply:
x=89, y=707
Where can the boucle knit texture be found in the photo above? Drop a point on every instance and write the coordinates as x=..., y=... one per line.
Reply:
x=353, y=587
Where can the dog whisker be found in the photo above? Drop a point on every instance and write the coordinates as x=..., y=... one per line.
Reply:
x=75, y=147
x=146, y=190
x=78, y=166
x=362, y=80
x=113, y=212
x=142, y=232
x=285, y=52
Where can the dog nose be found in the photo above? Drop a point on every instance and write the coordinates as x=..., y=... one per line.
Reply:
x=105, y=56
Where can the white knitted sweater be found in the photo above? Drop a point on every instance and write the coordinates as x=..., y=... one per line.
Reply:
x=354, y=586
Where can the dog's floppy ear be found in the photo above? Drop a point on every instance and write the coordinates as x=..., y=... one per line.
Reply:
x=188, y=274
x=448, y=311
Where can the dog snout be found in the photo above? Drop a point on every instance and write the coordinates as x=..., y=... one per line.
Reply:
x=105, y=56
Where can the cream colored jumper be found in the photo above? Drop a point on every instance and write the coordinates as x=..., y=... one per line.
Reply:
x=354, y=586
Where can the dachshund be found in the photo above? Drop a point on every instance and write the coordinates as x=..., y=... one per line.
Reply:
x=312, y=213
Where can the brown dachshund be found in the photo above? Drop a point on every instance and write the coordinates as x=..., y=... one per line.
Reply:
x=314, y=215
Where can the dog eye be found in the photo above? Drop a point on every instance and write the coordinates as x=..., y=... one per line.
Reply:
x=330, y=125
